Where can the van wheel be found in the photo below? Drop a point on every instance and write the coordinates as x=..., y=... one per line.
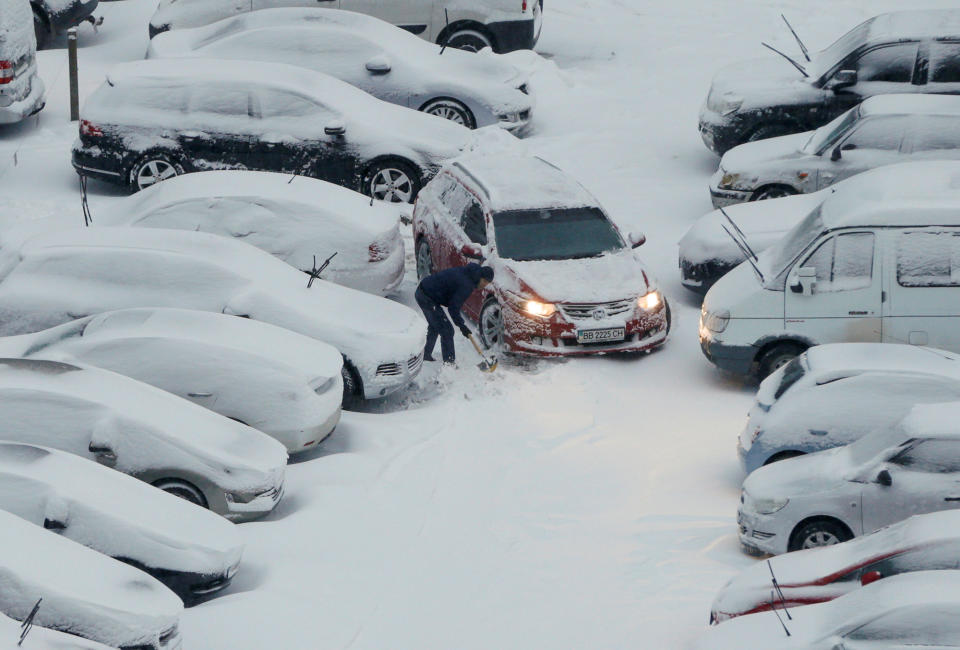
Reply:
x=471, y=40
x=452, y=110
x=776, y=357
x=392, y=180
x=153, y=169
x=41, y=27
x=817, y=533
x=773, y=192
x=424, y=259
x=183, y=489
x=491, y=325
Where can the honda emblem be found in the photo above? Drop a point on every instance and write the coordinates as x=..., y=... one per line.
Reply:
x=599, y=314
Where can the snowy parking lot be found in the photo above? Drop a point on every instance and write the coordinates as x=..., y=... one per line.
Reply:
x=587, y=503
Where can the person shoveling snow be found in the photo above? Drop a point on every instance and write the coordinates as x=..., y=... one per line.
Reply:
x=449, y=288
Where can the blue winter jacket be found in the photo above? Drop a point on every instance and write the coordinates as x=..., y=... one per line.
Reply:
x=451, y=288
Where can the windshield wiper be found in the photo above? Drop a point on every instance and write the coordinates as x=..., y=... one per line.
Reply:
x=803, y=48
x=741, y=243
x=795, y=64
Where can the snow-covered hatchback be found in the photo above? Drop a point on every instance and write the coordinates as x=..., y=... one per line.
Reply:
x=567, y=281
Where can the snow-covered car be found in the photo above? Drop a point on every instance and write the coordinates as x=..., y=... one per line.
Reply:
x=51, y=17
x=140, y=430
x=83, y=592
x=40, y=638
x=383, y=60
x=911, y=611
x=929, y=542
x=300, y=220
x=503, y=25
x=875, y=262
x=21, y=90
x=152, y=120
x=883, y=130
x=834, y=394
x=909, y=468
x=282, y=383
x=193, y=551
x=567, y=282
x=57, y=277
x=900, y=52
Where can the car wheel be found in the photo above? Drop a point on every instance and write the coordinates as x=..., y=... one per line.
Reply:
x=768, y=131
x=452, y=110
x=822, y=532
x=669, y=315
x=424, y=259
x=153, y=169
x=41, y=28
x=393, y=181
x=783, y=455
x=184, y=490
x=351, y=385
x=491, y=325
x=776, y=357
x=773, y=192
x=471, y=40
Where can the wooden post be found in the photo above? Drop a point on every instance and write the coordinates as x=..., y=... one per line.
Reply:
x=74, y=85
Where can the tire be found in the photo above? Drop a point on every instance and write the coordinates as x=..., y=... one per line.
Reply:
x=392, y=180
x=424, y=259
x=41, y=27
x=669, y=315
x=817, y=533
x=183, y=489
x=767, y=131
x=783, y=455
x=777, y=356
x=773, y=192
x=491, y=325
x=469, y=39
x=152, y=169
x=450, y=109
x=351, y=385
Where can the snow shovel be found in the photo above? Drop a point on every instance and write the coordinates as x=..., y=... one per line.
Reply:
x=487, y=365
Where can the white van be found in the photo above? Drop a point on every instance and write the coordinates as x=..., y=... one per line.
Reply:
x=877, y=261
x=503, y=25
x=21, y=91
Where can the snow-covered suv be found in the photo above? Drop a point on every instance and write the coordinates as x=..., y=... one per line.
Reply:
x=21, y=91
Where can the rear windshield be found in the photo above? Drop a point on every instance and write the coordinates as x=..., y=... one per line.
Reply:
x=555, y=234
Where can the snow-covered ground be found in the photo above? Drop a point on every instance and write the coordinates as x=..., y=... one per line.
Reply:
x=581, y=504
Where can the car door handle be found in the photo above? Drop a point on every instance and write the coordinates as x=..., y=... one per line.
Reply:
x=951, y=499
x=200, y=394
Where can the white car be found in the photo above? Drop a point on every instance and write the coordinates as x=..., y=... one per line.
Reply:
x=300, y=220
x=193, y=551
x=929, y=542
x=834, y=394
x=41, y=638
x=504, y=25
x=831, y=496
x=912, y=611
x=21, y=90
x=84, y=593
x=383, y=60
x=140, y=430
x=56, y=277
x=282, y=383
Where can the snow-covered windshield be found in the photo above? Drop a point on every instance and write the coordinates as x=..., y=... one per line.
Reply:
x=829, y=133
x=869, y=446
x=779, y=256
x=791, y=375
x=554, y=234
x=56, y=334
x=824, y=61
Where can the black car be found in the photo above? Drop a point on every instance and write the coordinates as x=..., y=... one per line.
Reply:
x=152, y=120
x=50, y=19
x=900, y=52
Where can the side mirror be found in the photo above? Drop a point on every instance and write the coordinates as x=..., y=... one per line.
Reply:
x=870, y=576
x=471, y=251
x=105, y=455
x=56, y=513
x=843, y=79
x=803, y=280
x=378, y=65
x=335, y=128
x=884, y=478
x=835, y=154
x=637, y=239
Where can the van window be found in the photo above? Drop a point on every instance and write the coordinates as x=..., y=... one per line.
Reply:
x=843, y=263
x=944, y=63
x=936, y=456
x=928, y=259
x=891, y=63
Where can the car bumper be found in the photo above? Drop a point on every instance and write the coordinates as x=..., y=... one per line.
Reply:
x=21, y=109
x=737, y=359
x=722, y=198
x=758, y=534
x=719, y=133
x=260, y=506
x=700, y=276
x=513, y=35
x=306, y=439
x=391, y=377
x=92, y=163
x=192, y=588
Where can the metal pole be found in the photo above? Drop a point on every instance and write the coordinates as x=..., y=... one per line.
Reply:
x=74, y=86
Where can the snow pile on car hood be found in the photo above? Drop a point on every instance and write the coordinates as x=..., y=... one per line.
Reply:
x=610, y=277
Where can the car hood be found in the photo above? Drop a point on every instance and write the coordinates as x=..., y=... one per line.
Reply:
x=741, y=293
x=763, y=82
x=606, y=278
x=748, y=158
x=801, y=476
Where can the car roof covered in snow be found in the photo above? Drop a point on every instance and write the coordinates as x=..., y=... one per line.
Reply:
x=908, y=194
x=923, y=24
x=845, y=359
x=911, y=104
x=513, y=181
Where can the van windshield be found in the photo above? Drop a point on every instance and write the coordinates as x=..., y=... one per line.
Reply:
x=555, y=234
x=828, y=134
x=778, y=257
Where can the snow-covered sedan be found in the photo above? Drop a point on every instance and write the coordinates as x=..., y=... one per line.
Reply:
x=927, y=542
x=83, y=592
x=193, y=551
x=911, y=611
x=300, y=220
x=140, y=430
x=57, y=277
x=834, y=394
x=828, y=497
x=567, y=281
x=389, y=63
x=152, y=120
x=883, y=130
x=282, y=383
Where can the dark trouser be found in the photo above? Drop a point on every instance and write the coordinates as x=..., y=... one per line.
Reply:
x=437, y=325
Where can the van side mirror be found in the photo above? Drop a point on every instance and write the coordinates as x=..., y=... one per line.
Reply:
x=803, y=280
x=336, y=129
x=884, y=478
x=637, y=239
x=842, y=79
x=471, y=251
x=378, y=65
x=835, y=154
x=870, y=576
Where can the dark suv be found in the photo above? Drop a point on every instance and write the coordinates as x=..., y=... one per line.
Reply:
x=152, y=120
x=901, y=52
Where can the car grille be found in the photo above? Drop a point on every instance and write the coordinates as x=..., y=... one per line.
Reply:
x=525, y=115
x=413, y=365
x=209, y=587
x=583, y=311
x=396, y=369
x=761, y=535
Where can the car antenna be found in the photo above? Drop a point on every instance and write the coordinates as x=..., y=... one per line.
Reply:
x=446, y=15
x=315, y=272
x=742, y=236
x=803, y=48
x=87, y=217
x=777, y=614
x=776, y=585
x=795, y=64
x=27, y=624
x=746, y=253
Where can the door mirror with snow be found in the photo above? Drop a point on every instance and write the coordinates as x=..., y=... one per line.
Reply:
x=843, y=79
x=335, y=129
x=870, y=576
x=471, y=251
x=884, y=478
x=378, y=65
x=802, y=280
x=637, y=239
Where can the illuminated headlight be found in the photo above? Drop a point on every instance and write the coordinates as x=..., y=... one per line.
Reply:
x=725, y=104
x=540, y=309
x=729, y=179
x=716, y=321
x=650, y=301
x=322, y=385
x=769, y=506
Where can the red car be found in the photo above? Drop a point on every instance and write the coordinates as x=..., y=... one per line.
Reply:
x=567, y=281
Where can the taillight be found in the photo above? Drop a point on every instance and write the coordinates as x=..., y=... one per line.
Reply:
x=378, y=252
x=6, y=72
x=89, y=129
x=524, y=8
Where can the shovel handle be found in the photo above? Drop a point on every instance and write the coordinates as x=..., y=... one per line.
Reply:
x=477, y=347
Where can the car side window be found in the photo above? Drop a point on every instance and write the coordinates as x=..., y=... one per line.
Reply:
x=876, y=134
x=930, y=133
x=161, y=98
x=843, y=262
x=890, y=63
x=221, y=101
x=927, y=625
x=285, y=105
x=928, y=258
x=474, y=223
x=930, y=456
x=457, y=200
x=944, y=66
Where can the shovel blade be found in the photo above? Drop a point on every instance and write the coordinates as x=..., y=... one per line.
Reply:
x=488, y=366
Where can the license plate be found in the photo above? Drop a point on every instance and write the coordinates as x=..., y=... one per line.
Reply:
x=598, y=336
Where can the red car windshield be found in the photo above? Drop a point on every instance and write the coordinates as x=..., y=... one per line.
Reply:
x=554, y=234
